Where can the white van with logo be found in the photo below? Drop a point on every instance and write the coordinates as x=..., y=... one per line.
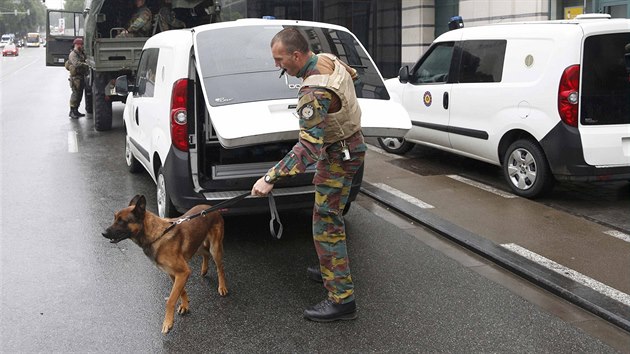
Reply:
x=209, y=113
x=545, y=100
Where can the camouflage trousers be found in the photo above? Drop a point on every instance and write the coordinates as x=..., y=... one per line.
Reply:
x=77, y=84
x=333, y=181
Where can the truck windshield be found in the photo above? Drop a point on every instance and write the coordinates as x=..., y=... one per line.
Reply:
x=243, y=70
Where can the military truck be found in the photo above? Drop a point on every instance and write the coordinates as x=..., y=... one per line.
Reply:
x=110, y=55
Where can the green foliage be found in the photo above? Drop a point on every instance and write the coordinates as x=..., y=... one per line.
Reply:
x=22, y=23
x=74, y=5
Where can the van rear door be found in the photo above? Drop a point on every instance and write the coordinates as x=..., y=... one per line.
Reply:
x=250, y=102
x=605, y=99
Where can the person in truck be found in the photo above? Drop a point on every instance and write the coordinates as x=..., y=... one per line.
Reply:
x=330, y=136
x=140, y=23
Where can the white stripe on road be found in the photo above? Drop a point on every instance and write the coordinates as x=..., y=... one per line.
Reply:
x=413, y=200
x=383, y=152
x=618, y=234
x=73, y=145
x=570, y=273
x=482, y=186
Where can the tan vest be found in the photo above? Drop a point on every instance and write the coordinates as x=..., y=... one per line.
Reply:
x=347, y=121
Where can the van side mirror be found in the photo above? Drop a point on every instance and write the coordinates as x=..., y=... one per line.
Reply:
x=122, y=86
x=403, y=74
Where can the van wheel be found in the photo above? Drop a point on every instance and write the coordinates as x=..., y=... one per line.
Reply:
x=526, y=169
x=166, y=209
x=395, y=145
x=133, y=164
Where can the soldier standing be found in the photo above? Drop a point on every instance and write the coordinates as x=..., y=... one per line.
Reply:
x=78, y=68
x=140, y=23
x=330, y=136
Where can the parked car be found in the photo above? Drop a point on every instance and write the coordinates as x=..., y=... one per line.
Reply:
x=545, y=100
x=209, y=113
x=10, y=49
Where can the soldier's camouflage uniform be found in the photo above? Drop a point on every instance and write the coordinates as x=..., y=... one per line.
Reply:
x=328, y=121
x=78, y=69
x=140, y=24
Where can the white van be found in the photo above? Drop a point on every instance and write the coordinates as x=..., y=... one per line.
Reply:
x=546, y=100
x=209, y=113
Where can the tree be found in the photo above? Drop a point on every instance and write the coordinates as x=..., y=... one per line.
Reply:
x=22, y=23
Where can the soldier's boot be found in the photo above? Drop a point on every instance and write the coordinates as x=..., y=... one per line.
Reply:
x=73, y=113
x=76, y=110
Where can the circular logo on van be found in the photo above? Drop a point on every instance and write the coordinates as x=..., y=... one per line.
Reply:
x=427, y=98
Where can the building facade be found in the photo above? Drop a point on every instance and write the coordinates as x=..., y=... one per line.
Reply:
x=397, y=32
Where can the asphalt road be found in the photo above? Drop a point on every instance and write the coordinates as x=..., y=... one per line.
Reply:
x=64, y=288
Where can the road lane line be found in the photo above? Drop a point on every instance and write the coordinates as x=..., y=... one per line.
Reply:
x=618, y=234
x=570, y=273
x=383, y=152
x=73, y=144
x=413, y=200
x=482, y=186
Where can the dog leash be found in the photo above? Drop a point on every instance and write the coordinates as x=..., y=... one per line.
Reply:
x=275, y=217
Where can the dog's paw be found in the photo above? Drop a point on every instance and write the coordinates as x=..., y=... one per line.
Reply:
x=166, y=326
x=223, y=291
x=182, y=310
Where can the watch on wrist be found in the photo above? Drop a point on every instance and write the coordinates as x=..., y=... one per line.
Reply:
x=267, y=178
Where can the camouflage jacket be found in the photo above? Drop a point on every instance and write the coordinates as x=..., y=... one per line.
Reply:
x=78, y=67
x=140, y=23
x=310, y=146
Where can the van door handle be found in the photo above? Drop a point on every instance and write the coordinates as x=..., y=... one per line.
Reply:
x=445, y=100
x=137, y=117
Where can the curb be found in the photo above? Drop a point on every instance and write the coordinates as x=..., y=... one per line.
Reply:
x=609, y=309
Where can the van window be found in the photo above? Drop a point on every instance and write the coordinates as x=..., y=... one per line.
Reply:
x=606, y=80
x=434, y=66
x=481, y=61
x=145, y=79
x=237, y=65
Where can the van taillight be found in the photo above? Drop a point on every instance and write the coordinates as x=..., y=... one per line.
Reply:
x=179, y=116
x=568, y=95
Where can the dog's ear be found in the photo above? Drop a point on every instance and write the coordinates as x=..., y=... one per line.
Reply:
x=140, y=206
x=135, y=199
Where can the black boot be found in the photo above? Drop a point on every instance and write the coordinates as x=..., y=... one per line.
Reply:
x=76, y=110
x=314, y=274
x=328, y=311
x=73, y=114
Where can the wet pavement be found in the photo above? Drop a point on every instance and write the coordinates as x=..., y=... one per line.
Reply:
x=64, y=288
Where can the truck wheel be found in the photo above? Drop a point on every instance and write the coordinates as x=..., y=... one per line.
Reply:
x=102, y=111
x=166, y=209
x=88, y=100
x=397, y=146
x=526, y=169
x=133, y=164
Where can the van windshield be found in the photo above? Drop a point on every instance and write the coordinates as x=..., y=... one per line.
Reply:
x=243, y=70
x=606, y=80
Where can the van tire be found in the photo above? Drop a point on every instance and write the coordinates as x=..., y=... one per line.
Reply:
x=133, y=164
x=166, y=209
x=102, y=111
x=526, y=169
x=397, y=146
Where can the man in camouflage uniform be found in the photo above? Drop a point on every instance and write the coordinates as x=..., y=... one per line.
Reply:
x=140, y=23
x=330, y=136
x=78, y=68
x=166, y=17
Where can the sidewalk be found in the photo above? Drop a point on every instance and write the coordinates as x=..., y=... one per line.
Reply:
x=570, y=256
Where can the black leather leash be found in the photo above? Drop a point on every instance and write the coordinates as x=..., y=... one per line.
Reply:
x=275, y=217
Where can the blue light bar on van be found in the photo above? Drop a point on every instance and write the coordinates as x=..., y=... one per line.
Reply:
x=269, y=17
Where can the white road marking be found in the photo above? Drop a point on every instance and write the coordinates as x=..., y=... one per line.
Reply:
x=383, y=152
x=570, y=273
x=618, y=234
x=404, y=196
x=482, y=186
x=73, y=144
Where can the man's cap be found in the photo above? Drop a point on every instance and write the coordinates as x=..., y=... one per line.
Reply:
x=78, y=41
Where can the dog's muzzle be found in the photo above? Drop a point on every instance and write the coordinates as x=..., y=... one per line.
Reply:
x=116, y=236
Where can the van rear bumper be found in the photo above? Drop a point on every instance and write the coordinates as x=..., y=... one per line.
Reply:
x=565, y=154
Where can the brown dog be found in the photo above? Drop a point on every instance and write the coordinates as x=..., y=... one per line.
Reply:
x=172, y=251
